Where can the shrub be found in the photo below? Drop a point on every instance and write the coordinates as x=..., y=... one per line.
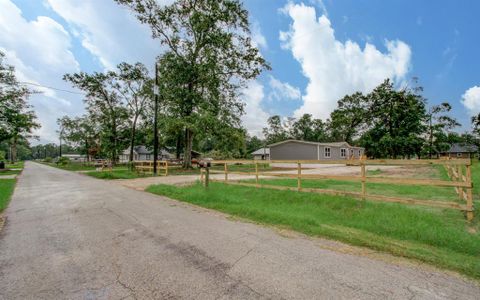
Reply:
x=63, y=161
x=48, y=159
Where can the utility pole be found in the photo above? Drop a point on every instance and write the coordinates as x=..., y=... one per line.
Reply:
x=155, y=125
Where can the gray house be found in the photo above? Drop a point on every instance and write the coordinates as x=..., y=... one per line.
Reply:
x=302, y=150
x=461, y=151
x=141, y=153
x=261, y=154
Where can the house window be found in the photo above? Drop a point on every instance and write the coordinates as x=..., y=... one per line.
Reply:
x=459, y=154
x=147, y=157
x=327, y=152
x=343, y=152
x=359, y=153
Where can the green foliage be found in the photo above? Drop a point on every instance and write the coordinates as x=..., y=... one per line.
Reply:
x=347, y=121
x=210, y=57
x=2, y=155
x=6, y=190
x=436, y=236
x=48, y=159
x=63, y=161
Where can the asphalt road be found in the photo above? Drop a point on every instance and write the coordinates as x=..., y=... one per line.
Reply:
x=68, y=236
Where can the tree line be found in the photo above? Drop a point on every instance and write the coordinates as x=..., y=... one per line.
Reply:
x=389, y=122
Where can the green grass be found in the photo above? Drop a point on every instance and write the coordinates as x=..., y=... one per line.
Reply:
x=374, y=172
x=435, y=236
x=115, y=174
x=17, y=165
x=6, y=190
x=10, y=172
x=418, y=192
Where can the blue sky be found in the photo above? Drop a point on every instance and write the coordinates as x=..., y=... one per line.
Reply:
x=319, y=51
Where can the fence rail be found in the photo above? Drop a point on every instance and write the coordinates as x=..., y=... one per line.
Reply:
x=462, y=183
x=147, y=166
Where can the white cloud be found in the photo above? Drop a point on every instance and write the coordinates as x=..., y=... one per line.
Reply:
x=471, y=100
x=283, y=90
x=40, y=50
x=108, y=31
x=334, y=68
x=258, y=39
x=255, y=118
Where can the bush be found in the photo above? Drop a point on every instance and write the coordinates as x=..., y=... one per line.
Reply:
x=2, y=155
x=48, y=159
x=63, y=161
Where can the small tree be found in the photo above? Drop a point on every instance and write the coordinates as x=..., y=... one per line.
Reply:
x=438, y=123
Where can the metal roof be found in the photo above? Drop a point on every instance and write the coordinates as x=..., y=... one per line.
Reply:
x=333, y=144
x=261, y=151
x=463, y=148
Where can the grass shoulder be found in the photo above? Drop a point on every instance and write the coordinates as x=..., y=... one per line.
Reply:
x=436, y=236
x=6, y=190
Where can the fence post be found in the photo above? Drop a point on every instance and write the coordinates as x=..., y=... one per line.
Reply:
x=202, y=175
x=469, y=193
x=166, y=168
x=256, y=173
x=363, y=173
x=299, y=179
x=226, y=172
x=460, y=179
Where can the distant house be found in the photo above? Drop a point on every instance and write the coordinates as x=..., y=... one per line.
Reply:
x=261, y=154
x=461, y=151
x=303, y=150
x=75, y=157
x=141, y=153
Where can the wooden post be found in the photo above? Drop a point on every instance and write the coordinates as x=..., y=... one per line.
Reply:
x=469, y=194
x=299, y=179
x=256, y=173
x=364, y=179
x=226, y=172
x=202, y=175
x=166, y=168
x=460, y=178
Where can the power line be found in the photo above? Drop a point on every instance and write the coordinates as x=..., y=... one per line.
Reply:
x=53, y=88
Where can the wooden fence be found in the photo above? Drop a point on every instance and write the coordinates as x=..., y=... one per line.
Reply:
x=147, y=167
x=462, y=183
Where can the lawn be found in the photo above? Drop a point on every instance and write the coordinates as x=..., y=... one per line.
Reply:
x=17, y=165
x=436, y=236
x=409, y=191
x=115, y=174
x=6, y=191
x=10, y=172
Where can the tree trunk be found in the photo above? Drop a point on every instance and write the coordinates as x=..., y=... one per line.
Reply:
x=132, y=141
x=114, y=142
x=187, y=154
x=13, y=154
x=86, y=150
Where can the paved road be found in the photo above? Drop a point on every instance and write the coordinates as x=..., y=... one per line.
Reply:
x=69, y=236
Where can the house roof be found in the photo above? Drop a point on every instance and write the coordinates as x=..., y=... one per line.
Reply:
x=333, y=144
x=261, y=151
x=143, y=150
x=462, y=148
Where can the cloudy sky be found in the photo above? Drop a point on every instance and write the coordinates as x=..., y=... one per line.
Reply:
x=319, y=51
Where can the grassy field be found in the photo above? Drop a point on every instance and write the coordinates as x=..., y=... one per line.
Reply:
x=6, y=191
x=17, y=165
x=436, y=236
x=10, y=172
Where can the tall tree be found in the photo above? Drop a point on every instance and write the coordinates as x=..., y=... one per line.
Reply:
x=135, y=87
x=80, y=132
x=104, y=105
x=397, y=122
x=308, y=128
x=210, y=57
x=438, y=123
x=276, y=131
x=350, y=118
x=17, y=119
